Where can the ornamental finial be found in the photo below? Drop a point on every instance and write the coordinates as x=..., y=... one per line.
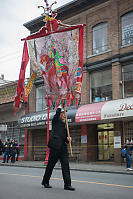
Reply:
x=47, y=10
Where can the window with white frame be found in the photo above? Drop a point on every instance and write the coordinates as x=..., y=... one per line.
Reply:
x=41, y=103
x=127, y=79
x=127, y=28
x=100, y=38
x=101, y=85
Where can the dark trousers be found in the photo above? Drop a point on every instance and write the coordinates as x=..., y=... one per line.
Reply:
x=17, y=156
x=128, y=160
x=54, y=156
x=6, y=156
x=12, y=156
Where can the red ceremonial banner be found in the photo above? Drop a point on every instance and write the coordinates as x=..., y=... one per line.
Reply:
x=20, y=87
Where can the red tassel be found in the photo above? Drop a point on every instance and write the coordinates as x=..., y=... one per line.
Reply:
x=77, y=103
x=56, y=104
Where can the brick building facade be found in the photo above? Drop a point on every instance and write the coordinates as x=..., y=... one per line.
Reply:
x=107, y=77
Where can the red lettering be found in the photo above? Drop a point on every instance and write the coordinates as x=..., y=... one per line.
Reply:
x=125, y=106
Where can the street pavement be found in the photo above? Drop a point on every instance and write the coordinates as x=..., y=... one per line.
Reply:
x=105, y=167
x=25, y=183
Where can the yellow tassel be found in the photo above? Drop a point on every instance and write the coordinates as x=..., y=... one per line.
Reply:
x=47, y=18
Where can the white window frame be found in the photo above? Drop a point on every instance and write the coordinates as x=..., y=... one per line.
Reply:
x=127, y=29
x=104, y=46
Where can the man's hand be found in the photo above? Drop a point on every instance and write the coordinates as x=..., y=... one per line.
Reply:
x=69, y=139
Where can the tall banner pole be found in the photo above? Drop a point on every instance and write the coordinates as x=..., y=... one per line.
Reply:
x=47, y=155
x=70, y=144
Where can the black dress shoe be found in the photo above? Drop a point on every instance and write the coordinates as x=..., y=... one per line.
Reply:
x=46, y=186
x=70, y=188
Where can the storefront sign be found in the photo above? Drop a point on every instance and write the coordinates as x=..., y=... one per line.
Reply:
x=105, y=110
x=117, y=142
x=117, y=109
x=89, y=112
x=40, y=119
x=33, y=120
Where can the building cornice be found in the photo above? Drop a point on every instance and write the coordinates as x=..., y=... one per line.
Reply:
x=64, y=12
x=121, y=58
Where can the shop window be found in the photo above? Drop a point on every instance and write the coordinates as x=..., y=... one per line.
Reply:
x=100, y=43
x=13, y=132
x=40, y=98
x=101, y=85
x=127, y=76
x=128, y=130
x=127, y=29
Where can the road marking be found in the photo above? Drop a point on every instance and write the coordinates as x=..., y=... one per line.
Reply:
x=99, y=183
x=22, y=175
x=81, y=181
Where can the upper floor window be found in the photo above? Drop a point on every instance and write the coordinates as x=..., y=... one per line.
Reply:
x=127, y=29
x=40, y=98
x=101, y=85
x=127, y=79
x=100, y=41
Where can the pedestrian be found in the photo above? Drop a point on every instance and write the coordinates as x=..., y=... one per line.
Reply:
x=129, y=148
x=17, y=150
x=6, y=151
x=58, y=150
x=1, y=147
x=13, y=151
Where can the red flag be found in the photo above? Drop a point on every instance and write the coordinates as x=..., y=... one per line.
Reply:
x=20, y=87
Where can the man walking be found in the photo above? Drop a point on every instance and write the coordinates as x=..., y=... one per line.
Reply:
x=12, y=151
x=129, y=148
x=1, y=147
x=6, y=151
x=58, y=150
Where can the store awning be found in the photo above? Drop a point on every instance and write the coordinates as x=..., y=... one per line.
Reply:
x=89, y=112
x=121, y=108
x=39, y=119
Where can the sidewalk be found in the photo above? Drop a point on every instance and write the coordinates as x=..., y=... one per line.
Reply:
x=104, y=167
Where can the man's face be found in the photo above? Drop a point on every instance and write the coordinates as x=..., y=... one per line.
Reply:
x=62, y=115
x=127, y=141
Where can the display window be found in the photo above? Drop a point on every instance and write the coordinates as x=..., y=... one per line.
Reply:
x=101, y=85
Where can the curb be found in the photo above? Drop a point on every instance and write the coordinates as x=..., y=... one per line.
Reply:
x=73, y=169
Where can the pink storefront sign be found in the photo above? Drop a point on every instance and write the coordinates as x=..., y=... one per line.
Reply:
x=89, y=112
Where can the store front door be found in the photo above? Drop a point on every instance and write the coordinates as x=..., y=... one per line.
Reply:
x=105, y=142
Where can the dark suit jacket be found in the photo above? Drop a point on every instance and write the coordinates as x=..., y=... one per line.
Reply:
x=58, y=137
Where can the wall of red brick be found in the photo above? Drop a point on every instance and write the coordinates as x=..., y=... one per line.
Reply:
x=85, y=97
x=116, y=81
x=118, y=126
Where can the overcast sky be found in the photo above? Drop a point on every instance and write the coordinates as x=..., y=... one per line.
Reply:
x=13, y=14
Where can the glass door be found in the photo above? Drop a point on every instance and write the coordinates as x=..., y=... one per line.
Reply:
x=105, y=145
